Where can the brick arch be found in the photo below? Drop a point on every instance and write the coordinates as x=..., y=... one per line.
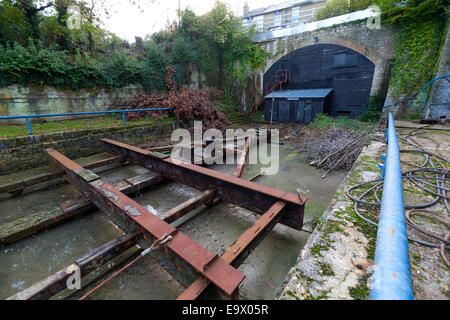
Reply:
x=374, y=57
x=375, y=45
x=325, y=65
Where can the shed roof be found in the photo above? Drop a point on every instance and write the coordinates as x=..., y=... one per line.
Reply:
x=309, y=93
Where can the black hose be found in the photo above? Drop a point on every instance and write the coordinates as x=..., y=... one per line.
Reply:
x=440, y=176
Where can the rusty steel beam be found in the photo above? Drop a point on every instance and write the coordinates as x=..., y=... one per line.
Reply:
x=130, y=215
x=246, y=194
x=35, y=223
x=241, y=248
x=50, y=286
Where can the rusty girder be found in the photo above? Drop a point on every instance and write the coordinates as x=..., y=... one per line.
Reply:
x=246, y=194
x=131, y=216
x=241, y=248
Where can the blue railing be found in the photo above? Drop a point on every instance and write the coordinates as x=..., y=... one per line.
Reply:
x=28, y=117
x=392, y=271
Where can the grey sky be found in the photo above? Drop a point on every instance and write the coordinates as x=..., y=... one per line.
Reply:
x=128, y=21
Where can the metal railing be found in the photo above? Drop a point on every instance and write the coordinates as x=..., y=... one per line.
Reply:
x=392, y=271
x=28, y=117
x=280, y=77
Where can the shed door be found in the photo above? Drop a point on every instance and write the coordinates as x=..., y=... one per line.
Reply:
x=283, y=109
x=300, y=111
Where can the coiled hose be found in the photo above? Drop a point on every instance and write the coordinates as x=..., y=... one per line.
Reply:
x=417, y=177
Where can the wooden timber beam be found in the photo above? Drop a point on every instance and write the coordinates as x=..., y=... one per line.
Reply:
x=17, y=188
x=50, y=286
x=35, y=223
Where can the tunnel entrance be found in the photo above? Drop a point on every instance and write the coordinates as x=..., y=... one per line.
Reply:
x=346, y=72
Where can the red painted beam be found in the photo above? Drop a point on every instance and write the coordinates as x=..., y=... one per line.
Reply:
x=241, y=248
x=110, y=200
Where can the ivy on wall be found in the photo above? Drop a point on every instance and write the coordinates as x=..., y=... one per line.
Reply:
x=421, y=30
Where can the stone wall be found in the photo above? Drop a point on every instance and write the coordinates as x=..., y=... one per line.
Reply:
x=21, y=153
x=17, y=100
x=439, y=104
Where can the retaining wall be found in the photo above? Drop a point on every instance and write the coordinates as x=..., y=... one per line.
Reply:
x=26, y=152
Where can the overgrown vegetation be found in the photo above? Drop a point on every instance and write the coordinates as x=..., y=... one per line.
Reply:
x=323, y=120
x=420, y=27
x=37, y=47
x=421, y=32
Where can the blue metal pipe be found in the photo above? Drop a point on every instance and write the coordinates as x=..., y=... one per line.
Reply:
x=27, y=118
x=78, y=113
x=29, y=126
x=392, y=271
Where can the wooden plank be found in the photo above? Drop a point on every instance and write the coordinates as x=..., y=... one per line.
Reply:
x=35, y=223
x=57, y=282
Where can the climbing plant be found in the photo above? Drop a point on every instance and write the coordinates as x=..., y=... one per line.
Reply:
x=421, y=29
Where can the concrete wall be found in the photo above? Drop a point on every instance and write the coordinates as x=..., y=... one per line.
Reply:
x=21, y=153
x=31, y=100
x=439, y=103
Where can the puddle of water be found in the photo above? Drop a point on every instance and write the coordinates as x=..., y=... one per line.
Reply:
x=165, y=197
x=296, y=175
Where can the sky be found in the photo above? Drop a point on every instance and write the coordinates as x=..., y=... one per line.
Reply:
x=145, y=17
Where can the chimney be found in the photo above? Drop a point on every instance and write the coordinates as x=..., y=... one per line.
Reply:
x=246, y=8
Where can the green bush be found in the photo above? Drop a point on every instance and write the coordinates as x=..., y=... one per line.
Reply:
x=322, y=120
x=372, y=113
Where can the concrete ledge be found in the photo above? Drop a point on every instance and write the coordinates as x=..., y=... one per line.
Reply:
x=336, y=261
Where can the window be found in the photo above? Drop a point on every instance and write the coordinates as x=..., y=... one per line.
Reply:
x=277, y=19
x=340, y=60
x=295, y=14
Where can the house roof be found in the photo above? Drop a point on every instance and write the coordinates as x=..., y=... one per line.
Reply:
x=276, y=7
x=309, y=93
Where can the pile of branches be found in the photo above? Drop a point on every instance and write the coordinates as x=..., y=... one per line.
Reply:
x=185, y=105
x=335, y=148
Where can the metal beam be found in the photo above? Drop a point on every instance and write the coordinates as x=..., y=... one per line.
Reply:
x=246, y=194
x=35, y=223
x=241, y=248
x=123, y=209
